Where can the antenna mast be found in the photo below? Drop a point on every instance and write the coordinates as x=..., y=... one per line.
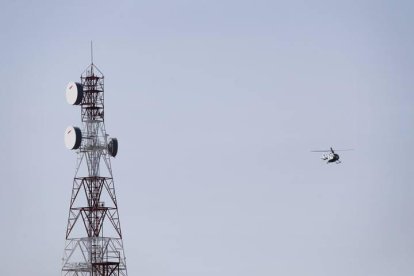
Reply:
x=91, y=52
x=89, y=251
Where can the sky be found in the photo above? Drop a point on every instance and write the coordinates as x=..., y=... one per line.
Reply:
x=216, y=106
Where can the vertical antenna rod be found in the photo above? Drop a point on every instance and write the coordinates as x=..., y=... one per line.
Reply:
x=91, y=52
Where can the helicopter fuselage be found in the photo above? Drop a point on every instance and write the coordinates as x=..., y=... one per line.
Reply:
x=331, y=157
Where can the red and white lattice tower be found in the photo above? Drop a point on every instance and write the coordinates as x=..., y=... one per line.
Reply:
x=93, y=236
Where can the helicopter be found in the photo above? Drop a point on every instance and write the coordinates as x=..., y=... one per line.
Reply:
x=330, y=156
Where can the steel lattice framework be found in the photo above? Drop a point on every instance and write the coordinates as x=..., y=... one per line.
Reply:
x=88, y=249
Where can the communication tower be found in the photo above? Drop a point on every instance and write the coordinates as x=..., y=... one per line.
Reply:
x=89, y=250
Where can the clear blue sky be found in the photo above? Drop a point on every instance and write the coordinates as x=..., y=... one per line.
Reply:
x=216, y=105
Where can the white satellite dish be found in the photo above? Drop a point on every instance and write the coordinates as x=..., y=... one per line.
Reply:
x=73, y=137
x=113, y=147
x=74, y=93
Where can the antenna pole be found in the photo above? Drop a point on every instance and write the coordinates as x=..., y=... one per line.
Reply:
x=91, y=52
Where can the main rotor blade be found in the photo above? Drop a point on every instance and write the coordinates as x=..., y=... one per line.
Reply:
x=344, y=149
